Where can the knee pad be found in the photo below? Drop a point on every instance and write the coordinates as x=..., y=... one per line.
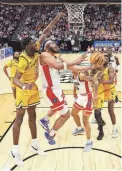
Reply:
x=64, y=110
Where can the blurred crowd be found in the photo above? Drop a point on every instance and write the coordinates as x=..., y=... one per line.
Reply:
x=10, y=17
x=102, y=22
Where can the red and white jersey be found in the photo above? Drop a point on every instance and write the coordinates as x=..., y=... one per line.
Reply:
x=84, y=87
x=113, y=62
x=50, y=77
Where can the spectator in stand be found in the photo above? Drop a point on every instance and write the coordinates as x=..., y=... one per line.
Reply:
x=102, y=22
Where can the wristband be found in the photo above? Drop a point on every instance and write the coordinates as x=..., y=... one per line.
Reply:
x=65, y=65
x=23, y=87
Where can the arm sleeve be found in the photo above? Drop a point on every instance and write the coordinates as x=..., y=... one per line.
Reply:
x=23, y=64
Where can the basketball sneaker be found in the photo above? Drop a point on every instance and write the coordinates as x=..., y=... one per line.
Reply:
x=88, y=146
x=35, y=148
x=78, y=132
x=50, y=139
x=17, y=158
x=115, y=133
x=44, y=124
x=93, y=121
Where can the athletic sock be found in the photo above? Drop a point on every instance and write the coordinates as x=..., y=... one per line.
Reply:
x=46, y=118
x=15, y=148
x=88, y=140
x=79, y=128
x=52, y=133
x=114, y=126
x=34, y=141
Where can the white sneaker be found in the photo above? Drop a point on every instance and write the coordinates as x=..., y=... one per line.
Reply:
x=114, y=133
x=36, y=149
x=88, y=146
x=93, y=121
x=17, y=158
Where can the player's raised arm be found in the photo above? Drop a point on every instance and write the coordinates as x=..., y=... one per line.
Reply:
x=47, y=30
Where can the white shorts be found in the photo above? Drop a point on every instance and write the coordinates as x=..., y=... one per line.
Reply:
x=55, y=98
x=84, y=102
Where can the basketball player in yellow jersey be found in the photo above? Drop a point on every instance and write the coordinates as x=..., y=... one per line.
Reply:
x=110, y=92
x=27, y=94
x=98, y=89
x=12, y=64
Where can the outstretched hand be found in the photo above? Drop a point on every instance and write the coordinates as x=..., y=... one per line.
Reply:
x=82, y=58
x=61, y=14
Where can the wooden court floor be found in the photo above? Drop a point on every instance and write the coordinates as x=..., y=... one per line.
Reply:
x=68, y=153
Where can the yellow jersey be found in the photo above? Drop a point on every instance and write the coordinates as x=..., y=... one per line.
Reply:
x=29, y=67
x=108, y=87
x=100, y=86
x=13, y=64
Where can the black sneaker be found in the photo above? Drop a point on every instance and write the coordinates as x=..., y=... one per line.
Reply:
x=100, y=136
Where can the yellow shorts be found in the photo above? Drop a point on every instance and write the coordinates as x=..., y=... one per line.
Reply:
x=99, y=102
x=12, y=84
x=27, y=98
x=110, y=95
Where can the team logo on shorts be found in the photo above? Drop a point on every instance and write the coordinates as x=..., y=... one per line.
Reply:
x=55, y=100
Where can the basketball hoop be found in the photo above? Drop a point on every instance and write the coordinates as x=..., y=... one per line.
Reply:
x=75, y=16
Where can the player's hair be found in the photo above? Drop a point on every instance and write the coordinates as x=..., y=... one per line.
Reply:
x=46, y=43
x=97, y=58
x=25, y=42
x=106, y=55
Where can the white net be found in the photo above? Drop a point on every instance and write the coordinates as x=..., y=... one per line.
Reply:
x=75, y=13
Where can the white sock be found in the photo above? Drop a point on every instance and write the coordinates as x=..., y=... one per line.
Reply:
x=52, y=132
x=114, y=126
x=34, y=141
x=46, y=118
x=79, y=127
x=88, y=140
x=15, y=148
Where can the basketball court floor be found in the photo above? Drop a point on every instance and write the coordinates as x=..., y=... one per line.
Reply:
x=68, y=153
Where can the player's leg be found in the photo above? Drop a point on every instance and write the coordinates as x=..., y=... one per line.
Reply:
x=44, y=122
x=89, y=143
x=65, y=115
x=99, y=120
x=35, y=147
x=79, y=130
x=55, y=98
x=14, y=92
x=32, y=121
x=113, y=118
x=13, y=86
x=16, y=133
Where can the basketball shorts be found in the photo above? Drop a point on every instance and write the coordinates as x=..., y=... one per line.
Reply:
x=12, y=84
x=98, y=104
x=27, y=98
x=56, y=99
x=84, y=102
x=110, y=95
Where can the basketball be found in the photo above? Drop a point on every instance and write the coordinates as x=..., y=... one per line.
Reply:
x=97, y=59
